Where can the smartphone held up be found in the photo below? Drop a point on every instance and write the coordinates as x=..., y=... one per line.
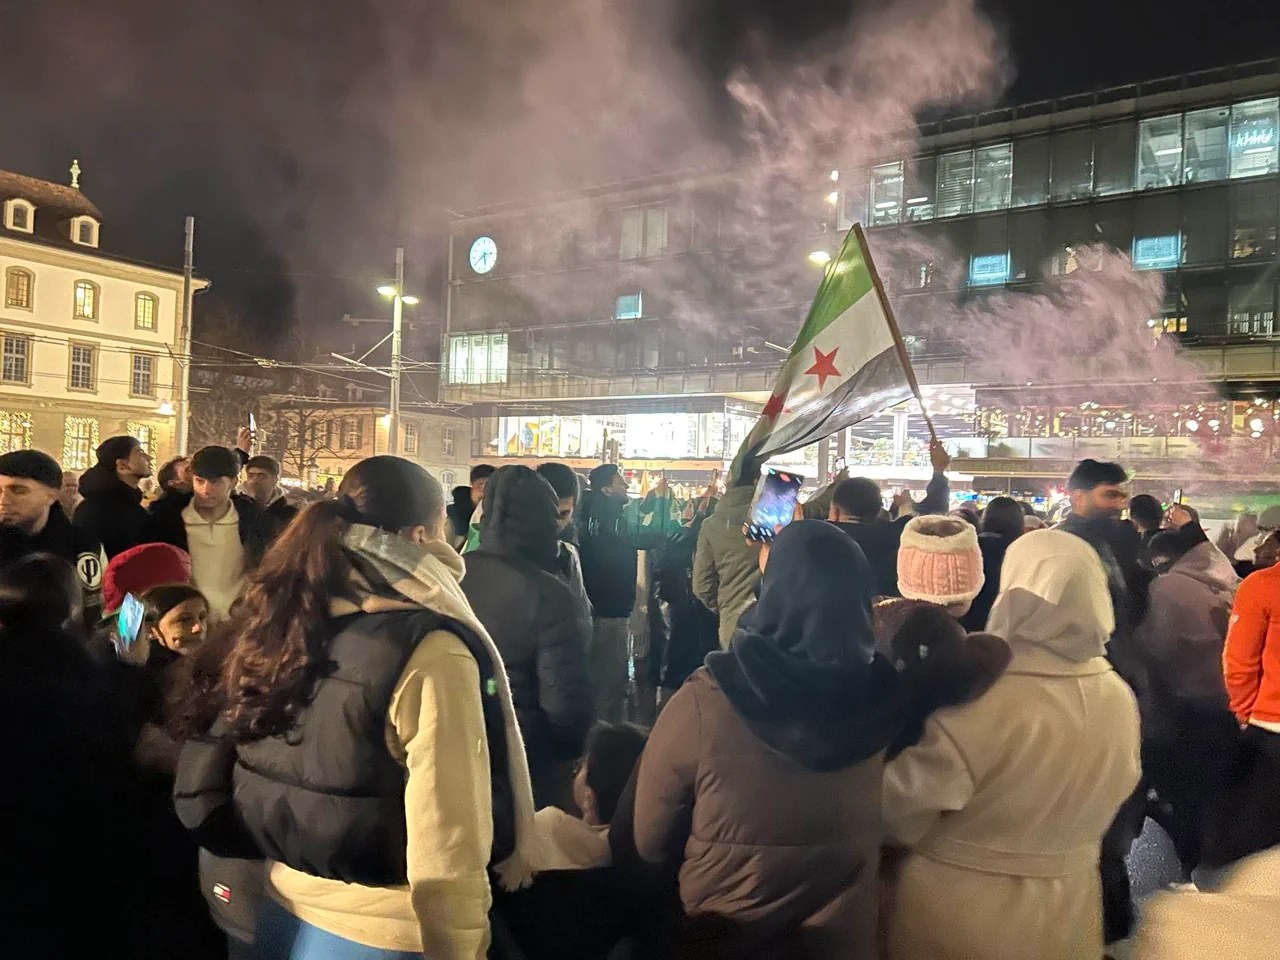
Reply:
x=773, y=506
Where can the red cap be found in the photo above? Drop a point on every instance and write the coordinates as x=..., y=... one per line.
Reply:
x=139, y=569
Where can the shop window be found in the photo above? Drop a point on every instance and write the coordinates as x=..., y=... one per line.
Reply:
x=955, y=184
x=1204, y=226
x=992, y=177
x=1253, y=221
x=644, y=233
x=79, y=441
x=886, y=194
x=1204, y=145
x=1160, y=152
x=1251, y=309
x=629, y=306
x=1071, y=165
x=1157, y=253
x=1113, y=152
x=921, y=185
x=1030, y=171
x=478, y=358
x=1255, y=138
x=15, y=431
x=16, y=367
x=18, y=286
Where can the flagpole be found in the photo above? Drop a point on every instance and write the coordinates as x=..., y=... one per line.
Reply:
x=893, y=329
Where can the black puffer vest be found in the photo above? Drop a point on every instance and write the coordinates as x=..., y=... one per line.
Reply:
x=327, y=798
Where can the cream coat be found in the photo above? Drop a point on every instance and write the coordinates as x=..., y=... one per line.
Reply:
x=1003, y=803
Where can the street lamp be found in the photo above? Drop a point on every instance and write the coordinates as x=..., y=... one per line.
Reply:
x=398, y=299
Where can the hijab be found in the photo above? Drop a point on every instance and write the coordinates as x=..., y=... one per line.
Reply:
x=1054, y=595
x=802, y=670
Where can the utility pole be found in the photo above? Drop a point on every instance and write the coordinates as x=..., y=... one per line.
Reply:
x=397, y=324
x=184, y=340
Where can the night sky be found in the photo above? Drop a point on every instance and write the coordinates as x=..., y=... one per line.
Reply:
x=309, y=137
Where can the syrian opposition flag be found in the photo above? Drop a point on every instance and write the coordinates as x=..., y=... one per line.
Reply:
x=847, y=364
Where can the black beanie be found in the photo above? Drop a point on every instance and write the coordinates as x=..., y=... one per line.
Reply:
x=116, y=448
x=603, y=475
x=32, y=465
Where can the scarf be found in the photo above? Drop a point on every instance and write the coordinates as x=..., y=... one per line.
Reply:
x=429, y=576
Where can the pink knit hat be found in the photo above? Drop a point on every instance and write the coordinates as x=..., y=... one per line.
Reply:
x=939, y=561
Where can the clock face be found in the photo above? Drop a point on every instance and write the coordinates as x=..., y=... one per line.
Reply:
x=484, y=254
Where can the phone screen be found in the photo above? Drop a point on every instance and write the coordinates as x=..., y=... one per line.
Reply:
x=1177, y=498
x=773, y=506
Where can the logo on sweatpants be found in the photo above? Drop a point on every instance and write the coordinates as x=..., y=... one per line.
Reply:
x=222, y=893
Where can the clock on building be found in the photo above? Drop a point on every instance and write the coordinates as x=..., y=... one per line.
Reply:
x=484, y=254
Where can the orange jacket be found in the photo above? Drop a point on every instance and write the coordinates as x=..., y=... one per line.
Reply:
x=1251, y=655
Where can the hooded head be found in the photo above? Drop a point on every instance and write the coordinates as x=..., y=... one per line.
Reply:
x=1054, y=594
x=802, y=669
x=519, y=518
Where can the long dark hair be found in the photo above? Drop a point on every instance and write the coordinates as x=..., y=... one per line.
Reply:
x=1004, y=516
x=279, y=625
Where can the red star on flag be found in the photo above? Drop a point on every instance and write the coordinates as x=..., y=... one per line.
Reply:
x=773, y=407
x=824, y=365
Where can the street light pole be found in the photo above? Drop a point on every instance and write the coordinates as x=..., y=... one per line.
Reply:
x=397, y=324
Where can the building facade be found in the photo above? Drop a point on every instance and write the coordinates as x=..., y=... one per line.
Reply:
x=569, y=330
x=88, y=340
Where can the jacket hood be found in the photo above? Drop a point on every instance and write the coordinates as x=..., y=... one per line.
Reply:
x=102, y=479
x=731, y=510
x=1054, y=594
x=519, y=519
x=801, y=670
x=1206, y=563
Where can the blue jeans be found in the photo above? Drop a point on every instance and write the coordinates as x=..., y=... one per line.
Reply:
x=282, y=936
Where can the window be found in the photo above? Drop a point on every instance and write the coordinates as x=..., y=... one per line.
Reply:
x=478, y=358
x=142, y=383
x=353, y=433
x=411, y=438
x=332, y=434
x=988, y=269
x=19, y=215
x=1253, y=221
x=1255, y=138
x=83, y=372
x=145, y=306
x=1030, y=171
x=992, y=177
x=644, y=233
x=86, y=300
x=1157, y=253
x=886, y=193
x=1252, y=309
x=79, y=440
x=84, y=231
x=1114, y=147
x=628, y=307
x=15, y=431
x=446, y=479
x=1204, y=225
x=1204, y=145
x=922, y=183
x=1027, y=232
x=955, y=183
x=144, y=433
x=1071, y=165
x=18, y=286
x=446, y=442
x=16, y=367
x=1159, y=152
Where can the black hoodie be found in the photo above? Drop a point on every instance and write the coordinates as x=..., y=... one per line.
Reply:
x=112, y=511
x=802, y=670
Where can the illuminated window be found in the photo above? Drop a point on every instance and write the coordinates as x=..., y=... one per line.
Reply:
x=1255, y=138
x=1160, y=152
x=1204, y=145
x=83, y=372
x=992, y=177
x=411, y=438
x=989, y=270
x=478, y=358
x=142, y=383
x=886, y=193
x=628, y=307
x=86, y=300
x=79, y=440
x=446, y=441
x=955, y=183
x=15, y=431
x=1157, y=253
x=144, y=433
x=18, y=285
x=353, y=433
x=144, y=311
x=16, y=367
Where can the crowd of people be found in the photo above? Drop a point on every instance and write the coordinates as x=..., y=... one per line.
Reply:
x=543, y=719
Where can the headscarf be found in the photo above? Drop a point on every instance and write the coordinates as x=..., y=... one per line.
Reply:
x=519, y=519
x=1054, y=594
x=802, y=670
